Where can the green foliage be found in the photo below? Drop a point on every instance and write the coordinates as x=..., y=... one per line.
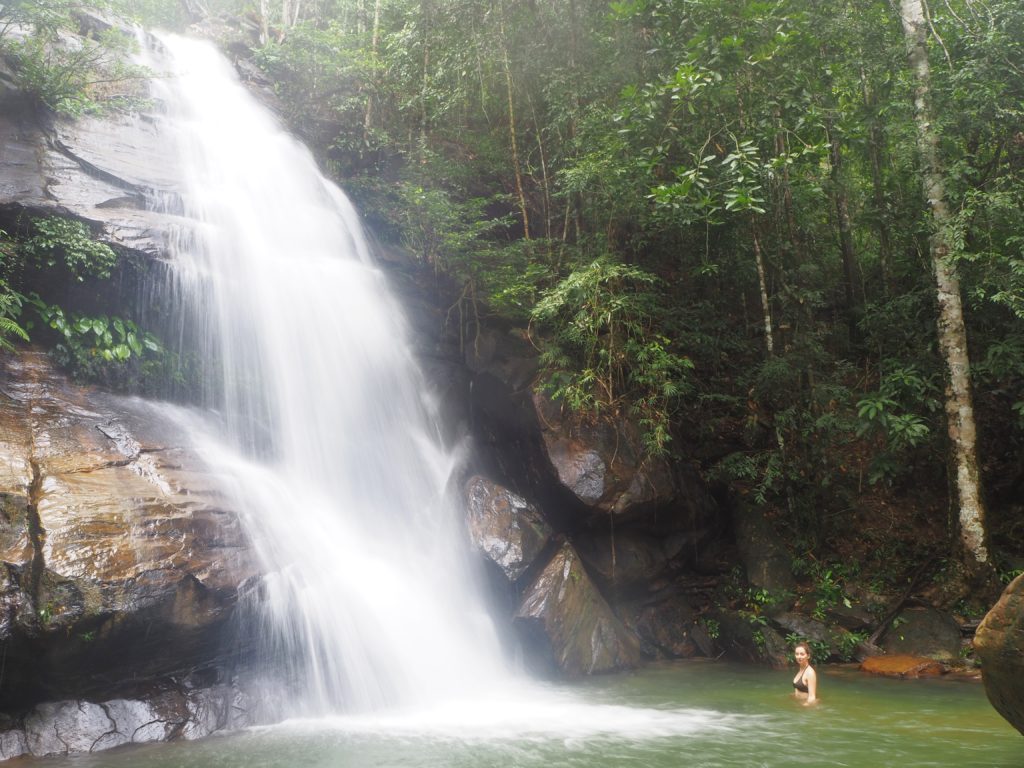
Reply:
x=712, y=627
x=651, y=142
x=72, y=76
x=10, y=310
x=848, y=642
x=601, y=350
x=56, y=241
x=97, y=348
x=10, y=301
x=827, y=583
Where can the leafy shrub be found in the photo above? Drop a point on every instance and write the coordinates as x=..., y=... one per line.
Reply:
x=68, y=242
x=600, y=350
x=97, y=348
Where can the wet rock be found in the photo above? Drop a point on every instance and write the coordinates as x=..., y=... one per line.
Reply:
x=504, y=526
x=805, y=628
x=923, y=631
x=668, y=629
x=72, y=726
x=100, y=170
x=999, y=643
x=119, y=560
x=767, y=562
x=564, y=616
x=904, y=665
x=852, y=618
x=603, y=463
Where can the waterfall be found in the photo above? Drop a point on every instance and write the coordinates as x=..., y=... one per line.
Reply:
x=324, y=430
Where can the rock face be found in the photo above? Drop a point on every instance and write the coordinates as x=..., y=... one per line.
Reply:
x=999, y=643
x=65, y=727
x=566, y=614
x=504, y=526
x=924, y=631
x=120, y=561
x=603, y=463
x=99, y=170
x=768, y=564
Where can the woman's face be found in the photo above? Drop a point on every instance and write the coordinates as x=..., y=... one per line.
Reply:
x=801, y=655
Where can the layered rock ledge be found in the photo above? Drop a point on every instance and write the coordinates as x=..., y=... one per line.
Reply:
x=120, y=563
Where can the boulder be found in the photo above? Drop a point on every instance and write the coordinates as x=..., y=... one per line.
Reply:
x=504, y=526
x=767, y=562
x=119, y=560
x=603, y=462
x=999, y=643
x=70, y=726
x=923, y=631
x=565, y=618
x=668, y=629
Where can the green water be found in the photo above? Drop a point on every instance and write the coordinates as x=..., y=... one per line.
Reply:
x=684, y=715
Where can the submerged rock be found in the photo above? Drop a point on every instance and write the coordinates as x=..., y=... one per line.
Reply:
x=564, y=612
x=904, y=665
x=999, y=643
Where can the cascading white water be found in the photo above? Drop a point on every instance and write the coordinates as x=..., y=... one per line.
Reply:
x=327, y=433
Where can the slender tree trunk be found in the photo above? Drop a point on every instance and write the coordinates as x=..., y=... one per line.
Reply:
x=781, y=149
x=375, y=80
x=846, y=249
x=513, y=143
x=264, y=22
x=951, y=331
x=425, y=13
x=876, y=143
x=762, y=284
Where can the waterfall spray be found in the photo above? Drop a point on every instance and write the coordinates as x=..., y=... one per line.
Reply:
x=326, y=433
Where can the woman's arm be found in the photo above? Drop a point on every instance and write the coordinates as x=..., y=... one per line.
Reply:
x=811, y=679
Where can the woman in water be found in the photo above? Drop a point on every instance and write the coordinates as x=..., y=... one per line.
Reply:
x=805, y=684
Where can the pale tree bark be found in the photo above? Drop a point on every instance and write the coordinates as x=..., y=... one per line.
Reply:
x=951, y=331
x=848, y=253
x=513, y=142
x=264, y=22
x=876, y=140
x=374, y=59
x=762, y=284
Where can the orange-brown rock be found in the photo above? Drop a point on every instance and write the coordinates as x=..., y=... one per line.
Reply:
x=904, y=666
x=999, y=643
x=120, y=560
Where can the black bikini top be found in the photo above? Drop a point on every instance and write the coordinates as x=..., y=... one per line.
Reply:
x=799, y=683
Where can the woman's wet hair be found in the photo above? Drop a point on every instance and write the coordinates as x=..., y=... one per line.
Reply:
x=806, y=647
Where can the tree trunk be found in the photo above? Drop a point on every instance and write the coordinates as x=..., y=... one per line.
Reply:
x=847, y=253
x=375, y=80
x=425, y=13
x=762, y=284
x=876, y=141
x=513, y=141
x=951, y=331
